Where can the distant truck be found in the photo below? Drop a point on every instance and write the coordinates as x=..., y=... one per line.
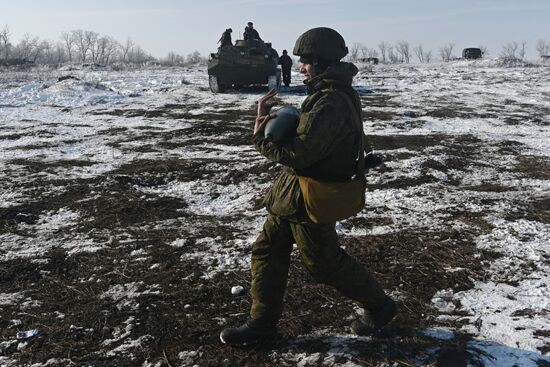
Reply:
x=370, y=60
x=248, y=62
x=472, y=53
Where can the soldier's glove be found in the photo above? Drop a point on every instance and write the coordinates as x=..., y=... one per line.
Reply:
x=373, y=160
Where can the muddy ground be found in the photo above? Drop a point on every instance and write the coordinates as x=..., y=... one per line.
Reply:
x=138, y=286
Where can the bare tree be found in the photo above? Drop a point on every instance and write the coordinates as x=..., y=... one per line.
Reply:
x=91, y=42
x=484, y=50
x=446, y=52
x=194, y=58
x=5, y=41
x=428, y=56
x=107, y=47
x=81, y=44
x=543, y=47
x=173, y=59
x=59, y=54
x=367, y=53
x=126, y=48
x=420, y=53
x=45, y=54
x=89, y=45
x=354, y=51
x=103, y=49
x=85, y=42
x=52, y=53
x=383, y=47
x=69, y=43
x=521, y=51
x=393, y=57
x=39, y=50
x=25, y=49
x=99, y=49
x=138, y=56
x=359, y=51
x=404, y=51
x=509, y=50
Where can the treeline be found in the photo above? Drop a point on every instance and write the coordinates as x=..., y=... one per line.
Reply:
x=403, y=52
x=83, y=47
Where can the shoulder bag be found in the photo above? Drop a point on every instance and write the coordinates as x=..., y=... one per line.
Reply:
x=328, y=202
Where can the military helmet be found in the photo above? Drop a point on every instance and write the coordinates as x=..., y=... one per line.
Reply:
x=250, y=24
x=321, y=43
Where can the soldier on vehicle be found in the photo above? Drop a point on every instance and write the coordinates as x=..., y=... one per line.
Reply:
x=326, y=145
x=225, y=39
x=286, y=64
x=250, y=33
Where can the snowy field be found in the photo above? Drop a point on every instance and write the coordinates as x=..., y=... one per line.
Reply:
x=129, y=202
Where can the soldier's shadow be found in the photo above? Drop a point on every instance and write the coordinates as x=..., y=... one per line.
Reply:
x=440, y=348
x=363, y=91
x=293, y=90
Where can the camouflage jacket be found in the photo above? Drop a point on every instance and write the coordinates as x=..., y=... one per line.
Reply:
x=251, y=34
x=325, y=146
x=225, y=39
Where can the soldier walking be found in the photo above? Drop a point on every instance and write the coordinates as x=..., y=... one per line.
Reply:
x=286, y=64
x=325, y=148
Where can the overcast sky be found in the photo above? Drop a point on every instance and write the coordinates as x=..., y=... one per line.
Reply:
x=183, y=26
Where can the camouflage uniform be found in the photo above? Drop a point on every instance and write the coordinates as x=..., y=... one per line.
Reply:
x=251, y=34
x=225, y=39
x=325, y=148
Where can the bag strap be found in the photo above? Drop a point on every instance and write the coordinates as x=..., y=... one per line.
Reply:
x=356, y=115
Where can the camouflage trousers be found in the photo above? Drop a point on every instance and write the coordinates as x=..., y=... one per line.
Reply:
x=327, y=262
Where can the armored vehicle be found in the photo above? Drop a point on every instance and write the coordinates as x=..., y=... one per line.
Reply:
x=249, y=62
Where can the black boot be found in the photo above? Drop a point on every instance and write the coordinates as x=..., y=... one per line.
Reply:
x=249, y=334
x=371, y=323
